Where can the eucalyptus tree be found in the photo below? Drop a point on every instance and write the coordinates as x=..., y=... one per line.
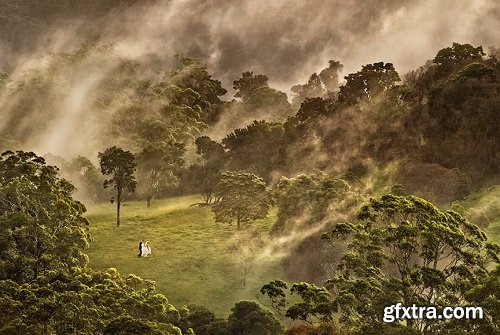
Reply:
x=120, y=165
x=401, y=250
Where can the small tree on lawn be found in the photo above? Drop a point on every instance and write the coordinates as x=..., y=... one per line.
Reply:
x=120, y=165
x=243, y=198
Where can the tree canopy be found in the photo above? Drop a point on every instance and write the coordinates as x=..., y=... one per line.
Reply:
x=120, y=165
x=37, y=216
x=243, y=198
x=248, y=318
x=371, y=80
x=400, y=249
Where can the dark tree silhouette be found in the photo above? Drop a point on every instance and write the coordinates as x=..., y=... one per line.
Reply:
x=120, y=165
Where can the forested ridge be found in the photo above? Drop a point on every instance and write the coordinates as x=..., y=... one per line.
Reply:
x=385, y=186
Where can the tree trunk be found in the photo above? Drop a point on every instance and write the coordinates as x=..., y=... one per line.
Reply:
x=245, y=277
x=148, y=202
x=118, y=202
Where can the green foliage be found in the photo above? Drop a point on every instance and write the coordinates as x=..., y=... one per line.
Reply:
x=243, y=198
x=264, y=100
x=212, y=152
x=306, y=196
x=126, y=325
x=201, y=321
x=487, y=295
x=371, y=80
x=257, y=148
x=311, y=109
x=401, y=249
x=404, y=249
x=85, y=302
x=315, y=303
x=171, y=109
x=276, y=292
x=192, y=77
x=398, y=189
x=121, y=166
x=463, y=114
x=37, y=217
x=207, y=175
x=313, y=88
x=248, y=318
x=475, y=70
x=45, y=287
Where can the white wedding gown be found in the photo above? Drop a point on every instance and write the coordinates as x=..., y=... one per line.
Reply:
x=145, y=250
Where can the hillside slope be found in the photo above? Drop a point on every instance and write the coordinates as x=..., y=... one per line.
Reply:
x=190, y=261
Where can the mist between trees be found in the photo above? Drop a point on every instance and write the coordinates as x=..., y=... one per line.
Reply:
x=381, y=183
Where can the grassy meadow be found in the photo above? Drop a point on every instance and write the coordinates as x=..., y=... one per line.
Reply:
x=484, y=208
x=189, y=262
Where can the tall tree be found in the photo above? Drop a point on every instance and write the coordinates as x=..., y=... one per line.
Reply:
x=259, y=148
x=243, y=198
x=371, y=80
x=37, y=215
x=192, y=78
x=214, y=159
x=463, y=112
x=402, y=249
x=405, y=249
x=120, y=165
x=156, y=169
x=85, y=302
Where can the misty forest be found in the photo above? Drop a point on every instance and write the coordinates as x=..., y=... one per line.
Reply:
x=291, y=167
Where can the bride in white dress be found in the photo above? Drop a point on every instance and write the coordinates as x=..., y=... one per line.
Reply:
x=146, y=249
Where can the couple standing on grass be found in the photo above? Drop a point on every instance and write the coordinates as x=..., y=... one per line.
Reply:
x=144, y=249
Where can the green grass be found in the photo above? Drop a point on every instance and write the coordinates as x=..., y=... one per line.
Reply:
x=189, y=262
x=485, y=205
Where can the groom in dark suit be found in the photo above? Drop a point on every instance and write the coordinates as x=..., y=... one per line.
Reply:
x=140, y=249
